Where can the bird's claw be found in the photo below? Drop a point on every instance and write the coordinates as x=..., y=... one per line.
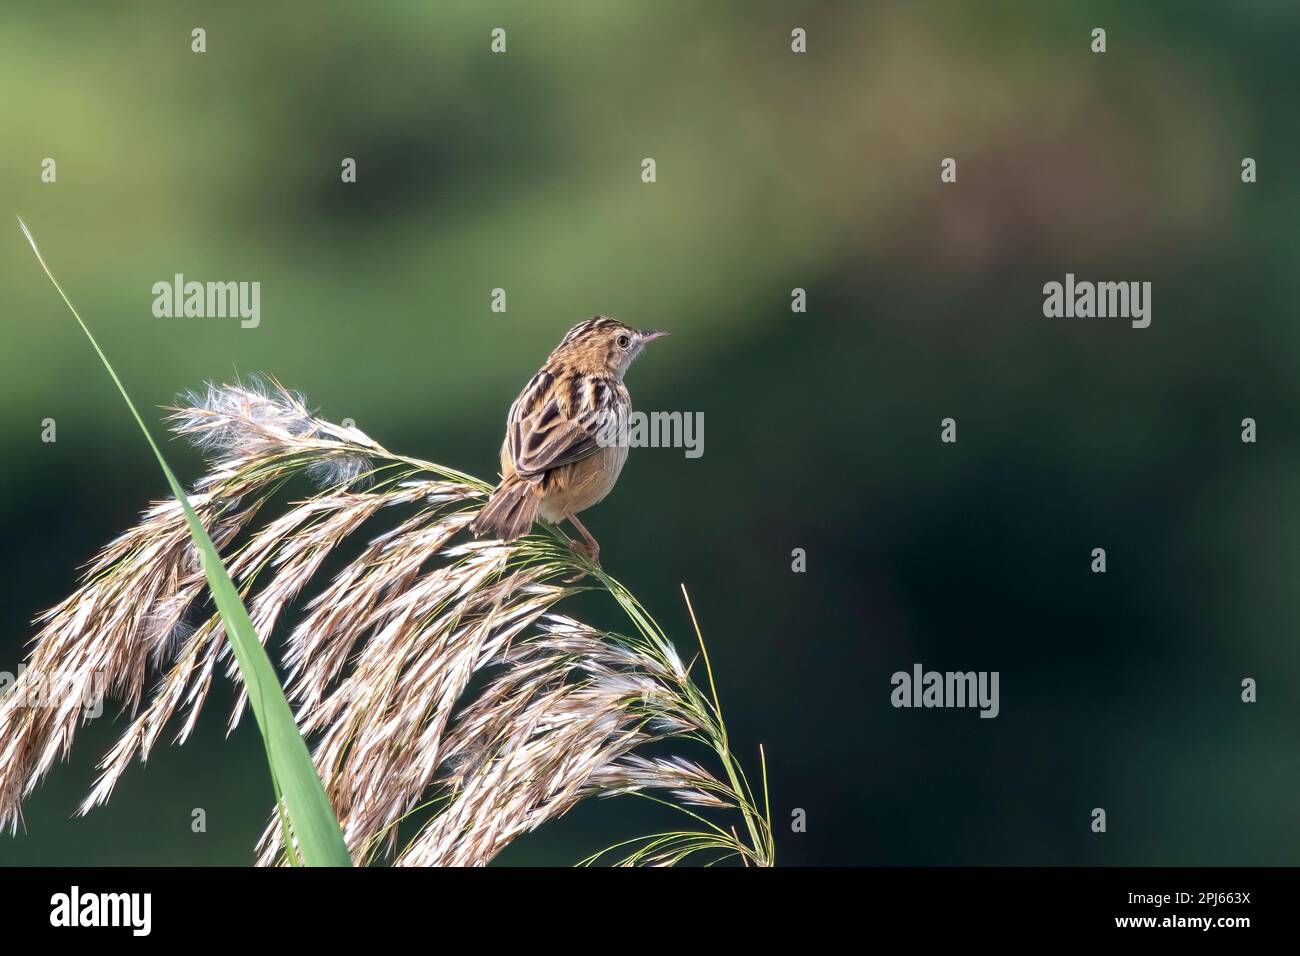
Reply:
x=589, y=551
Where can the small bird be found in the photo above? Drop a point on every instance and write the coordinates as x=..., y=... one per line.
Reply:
x=565, y=434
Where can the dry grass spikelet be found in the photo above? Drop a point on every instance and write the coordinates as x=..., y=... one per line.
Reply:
x=429, y=669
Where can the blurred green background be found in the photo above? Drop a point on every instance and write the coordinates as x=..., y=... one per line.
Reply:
x=775, y=171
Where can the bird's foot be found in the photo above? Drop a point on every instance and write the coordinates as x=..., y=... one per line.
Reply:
x=589, y=550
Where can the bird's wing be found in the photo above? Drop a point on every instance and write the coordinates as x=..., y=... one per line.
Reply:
x=559, y=420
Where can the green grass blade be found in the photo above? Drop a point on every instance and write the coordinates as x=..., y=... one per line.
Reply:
x=312, y=819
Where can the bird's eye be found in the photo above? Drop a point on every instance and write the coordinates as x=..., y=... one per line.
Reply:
x=623, y=341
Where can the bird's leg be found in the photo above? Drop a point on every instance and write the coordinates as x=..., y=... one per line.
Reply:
x=588, y=546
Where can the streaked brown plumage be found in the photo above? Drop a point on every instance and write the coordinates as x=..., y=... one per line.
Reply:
x=558, y=457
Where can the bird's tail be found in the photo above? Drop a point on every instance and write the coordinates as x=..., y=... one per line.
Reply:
x=510, y=512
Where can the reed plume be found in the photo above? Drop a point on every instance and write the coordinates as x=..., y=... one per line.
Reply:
x=431, y=670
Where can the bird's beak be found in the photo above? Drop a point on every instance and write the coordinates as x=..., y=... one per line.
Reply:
x=649, y=335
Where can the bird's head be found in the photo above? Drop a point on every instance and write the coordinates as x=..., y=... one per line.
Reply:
x=603, y=346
